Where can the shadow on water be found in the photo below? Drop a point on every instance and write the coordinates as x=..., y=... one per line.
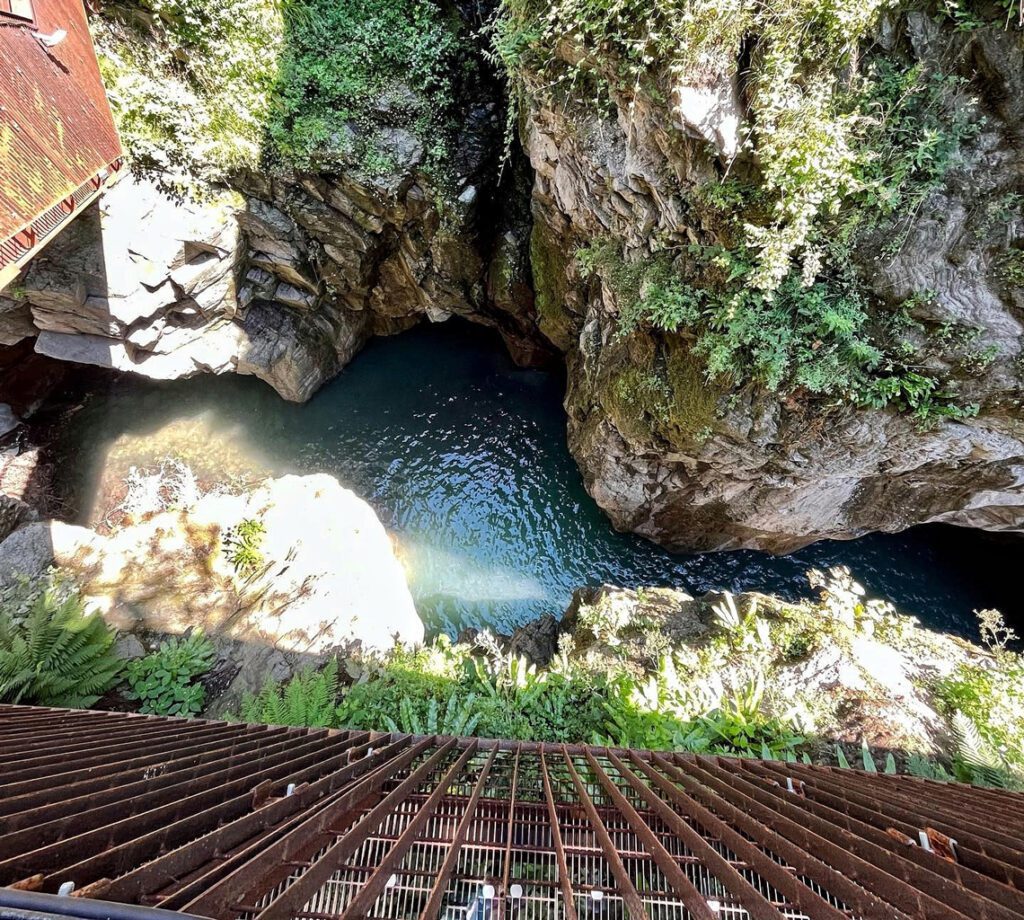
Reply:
x=463, y=456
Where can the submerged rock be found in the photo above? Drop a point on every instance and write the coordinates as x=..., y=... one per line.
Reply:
x=322, y=574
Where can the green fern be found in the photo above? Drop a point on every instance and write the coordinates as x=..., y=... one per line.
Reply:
x=976, y=760
x=309, y=699
x=56, y=655
x=460, y=716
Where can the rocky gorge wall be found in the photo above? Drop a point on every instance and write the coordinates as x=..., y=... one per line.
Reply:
x=286, y=274
x=282, y=277
x=694, y=464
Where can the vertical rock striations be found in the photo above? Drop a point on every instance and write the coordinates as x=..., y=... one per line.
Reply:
x=700, y=462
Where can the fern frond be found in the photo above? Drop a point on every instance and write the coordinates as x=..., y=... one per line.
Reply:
x=58, y=655
x=976, y=759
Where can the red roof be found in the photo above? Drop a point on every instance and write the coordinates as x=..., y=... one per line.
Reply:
x=56, y=130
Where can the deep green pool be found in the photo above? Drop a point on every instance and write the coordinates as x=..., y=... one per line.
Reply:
x=463, y=456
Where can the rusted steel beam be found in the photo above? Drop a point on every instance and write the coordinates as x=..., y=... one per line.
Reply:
x=509, y=834
x=695, y=902
x=926, y=865
x=96, y=808
x=113, y=744
x=22, y=725
x=801, y=848
x=626, y=889
x=168, y=869
x=113, y=766
x=297, y=894
x=249, y=882
x=92, y=745
x=992, y=860
x=901, y=882
x=180, y=814
x=956, y=806
x=192, y=810
x=805, y=899
x=753, y=901
x=41, y=733
x=968, y=822
x=437, y=891
x=126, y=856
x=564, y=880
x=361, y=905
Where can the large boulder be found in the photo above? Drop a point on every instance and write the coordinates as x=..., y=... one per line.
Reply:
x=324, y=574
x=149, y=284
x=840, y=667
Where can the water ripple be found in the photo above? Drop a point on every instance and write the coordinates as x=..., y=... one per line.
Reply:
x=464, y=458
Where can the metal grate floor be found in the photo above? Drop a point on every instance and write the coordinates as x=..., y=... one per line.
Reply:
x=240, y=822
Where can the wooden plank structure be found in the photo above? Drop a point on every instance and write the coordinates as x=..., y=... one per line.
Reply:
x=58, y=144
x=255, y=822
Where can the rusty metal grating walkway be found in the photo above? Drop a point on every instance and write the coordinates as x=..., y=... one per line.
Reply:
x=246, y=822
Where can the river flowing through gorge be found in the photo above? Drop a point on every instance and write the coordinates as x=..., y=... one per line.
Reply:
x=464, y=458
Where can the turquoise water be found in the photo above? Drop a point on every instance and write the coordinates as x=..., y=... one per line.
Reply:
x=463, y=456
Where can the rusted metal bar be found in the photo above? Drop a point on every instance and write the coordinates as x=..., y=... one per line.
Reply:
x=360, y=906
x=57, y=761
x=47, y=738
x=901, y=882
x=110, y=767
x=752, y=900
x=808, y=901
x=433, y=905
x=967, y=822
x=556, y=837
x=250, y=878
x=991, y=859
x=255, y=823
x=687, y=891
x=966, y=880
x=627, y=890
x=294, y=896
x=100, y=840
x=99, y=808
x=172, y=866
x=509, y=833
x=802, y=849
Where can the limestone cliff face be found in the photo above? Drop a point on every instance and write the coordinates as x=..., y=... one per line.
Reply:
x=669, y=456
x=286, y=274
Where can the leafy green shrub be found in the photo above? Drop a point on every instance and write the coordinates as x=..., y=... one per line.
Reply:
x=738, y=726
x=985, y=704
x=243, y=543
x=342, y=62
x=52, y=653
x=847, y=144
x=445, y=689
x=165, y=681
x=190, y=83
x=201, y=90
x=309, y=699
